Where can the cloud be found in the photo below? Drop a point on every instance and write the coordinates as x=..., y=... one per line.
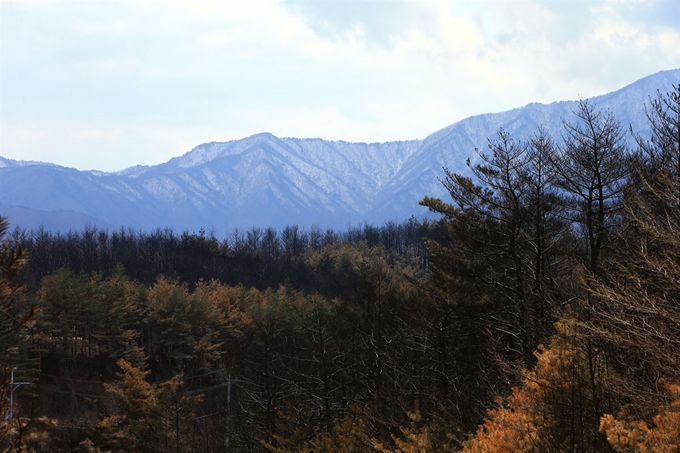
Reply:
x=359, y=70
x=377, y=22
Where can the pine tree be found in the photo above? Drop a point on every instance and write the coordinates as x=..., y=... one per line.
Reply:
x=147, y=417
x=592, y=169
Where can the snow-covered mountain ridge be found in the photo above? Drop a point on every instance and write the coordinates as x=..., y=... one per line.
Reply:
x=264, y=180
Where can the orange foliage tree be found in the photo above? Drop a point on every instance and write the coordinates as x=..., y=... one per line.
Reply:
x=147, y=417
x=552, y=411
x=638, y=437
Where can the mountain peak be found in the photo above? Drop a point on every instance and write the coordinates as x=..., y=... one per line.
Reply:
x=207, y=152
x=263, y=136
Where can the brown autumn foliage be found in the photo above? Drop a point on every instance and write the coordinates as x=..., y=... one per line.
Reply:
x=636, y=436
x=550, y=411
x=146, y=416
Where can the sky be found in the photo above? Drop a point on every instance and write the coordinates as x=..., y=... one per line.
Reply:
x=110, y=84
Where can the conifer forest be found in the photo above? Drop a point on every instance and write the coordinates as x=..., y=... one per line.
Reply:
x=538, y=311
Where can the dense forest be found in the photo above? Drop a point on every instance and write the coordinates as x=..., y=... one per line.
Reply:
x=540, y=312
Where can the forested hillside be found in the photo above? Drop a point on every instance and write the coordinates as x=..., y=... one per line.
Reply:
x=539, y=313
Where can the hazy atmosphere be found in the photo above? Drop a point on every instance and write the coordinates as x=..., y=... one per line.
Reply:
x=110, y=84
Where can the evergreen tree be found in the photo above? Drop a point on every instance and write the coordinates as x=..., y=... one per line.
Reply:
x=592, y=169
x=148, y=418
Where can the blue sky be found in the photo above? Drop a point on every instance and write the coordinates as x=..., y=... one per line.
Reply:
x=110, y=84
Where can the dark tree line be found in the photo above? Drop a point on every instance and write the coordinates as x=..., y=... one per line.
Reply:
x=257, y=257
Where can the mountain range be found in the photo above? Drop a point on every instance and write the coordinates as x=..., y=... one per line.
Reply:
x=265, y=180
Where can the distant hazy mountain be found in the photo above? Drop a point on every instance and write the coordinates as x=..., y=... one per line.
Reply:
x=264, y=180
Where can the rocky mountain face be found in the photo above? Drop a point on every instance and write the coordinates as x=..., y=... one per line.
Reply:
x=265, y=181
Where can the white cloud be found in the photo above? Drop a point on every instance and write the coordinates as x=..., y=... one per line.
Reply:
x=156, y=78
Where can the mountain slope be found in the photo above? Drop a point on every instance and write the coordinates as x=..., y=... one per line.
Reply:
x=264, y=180
x=452, y=146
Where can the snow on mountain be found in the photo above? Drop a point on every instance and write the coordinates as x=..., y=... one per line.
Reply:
x=264, y=180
